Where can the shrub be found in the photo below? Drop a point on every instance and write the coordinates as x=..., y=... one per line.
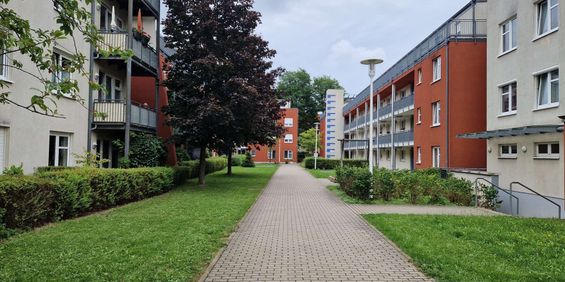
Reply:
x=25, y=201
x=248, y=162
x=215, y=164
x=384, y=184
x=410, y=185
x=14, y=170
x=237, y=160
x=345, y=176
x=322, y=163
x=146, y=150
x=356, y=182
x=459, y=191
x=44, y=169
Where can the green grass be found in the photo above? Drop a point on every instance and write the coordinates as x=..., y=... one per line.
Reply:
x=452, y=248
x=318, y=173
x=171, y=237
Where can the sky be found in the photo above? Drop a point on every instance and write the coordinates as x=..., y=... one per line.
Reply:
x=331, y=37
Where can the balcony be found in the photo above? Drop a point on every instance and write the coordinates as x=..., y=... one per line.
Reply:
x=113, y=112
x=404, y=138
x=144, y=55
x=153, y=4
x=404, y=104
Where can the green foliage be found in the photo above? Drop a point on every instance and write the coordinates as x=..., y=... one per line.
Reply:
x=356, y=182
x=331, y=163
x=479, y=248
x=146, y=150
x=90, y=159
x=384, y=184
x=43, y=169
x=14, y=170
x=212, y=165
x=307, y=141
x=237, y=160
x=489, y=198
x=248, y=162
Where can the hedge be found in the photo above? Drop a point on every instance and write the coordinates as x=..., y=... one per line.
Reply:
x=332, y=163
x=54, y=194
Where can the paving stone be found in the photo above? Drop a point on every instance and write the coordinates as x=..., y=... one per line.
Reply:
x=299, y=231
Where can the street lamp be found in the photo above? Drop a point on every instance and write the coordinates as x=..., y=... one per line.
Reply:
x=316, y=146
x=372, y=63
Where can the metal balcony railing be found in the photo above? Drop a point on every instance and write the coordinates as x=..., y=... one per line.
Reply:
x=404, y=137
x=404, y=103
x=119, y=40
x=146, y=54
x=453, y=29
x=114, y=112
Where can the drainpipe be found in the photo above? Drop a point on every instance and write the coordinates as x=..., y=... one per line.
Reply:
x=447, y=104
x=393, y=149
x=128, y=82
x=159, y=68
x=91, y=78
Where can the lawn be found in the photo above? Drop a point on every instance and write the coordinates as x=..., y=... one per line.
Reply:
x=318, y=173
x=452, y=248
x=171, y=237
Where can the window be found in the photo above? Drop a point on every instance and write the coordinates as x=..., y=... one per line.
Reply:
x=3, y=65
x=548, y=16
x=403, y=125
x=253, y=153
x=288, y=155
x=508, y=151
x=2, y=148
x=436, y=156
x=106, y=19
x=436, y=111
x=271, y=154
x=419, y=155
x=419, y=115
x=509, y=98
x=509, y=40
x=547, y=150
x=387, y=154
x=420, y=76
x=288, y=122
x=402, y=155
x=548, y=88
x=436, y=65
x=288, y=139
x=62, y=72
x=59, y=150
x=111, y=88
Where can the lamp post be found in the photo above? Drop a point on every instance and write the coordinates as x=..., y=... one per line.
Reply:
x=316, y=147
x=371, y=63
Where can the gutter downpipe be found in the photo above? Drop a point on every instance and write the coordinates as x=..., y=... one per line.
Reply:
x=91, y=77
x=447, y=103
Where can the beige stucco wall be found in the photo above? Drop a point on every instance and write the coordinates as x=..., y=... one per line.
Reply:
x=28, y=133
x=532, y=55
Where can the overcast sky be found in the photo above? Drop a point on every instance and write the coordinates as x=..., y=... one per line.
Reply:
x=331, y=37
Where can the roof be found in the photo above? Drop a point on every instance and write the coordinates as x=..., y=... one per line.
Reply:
x=517, y=131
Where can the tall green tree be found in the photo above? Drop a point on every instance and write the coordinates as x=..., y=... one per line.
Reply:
x=30, y=52
x=221, y=75
x=307, y=94
x=307, y=141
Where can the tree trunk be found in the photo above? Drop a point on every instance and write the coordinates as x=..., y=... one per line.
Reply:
x=202, y=172
x=230, y=158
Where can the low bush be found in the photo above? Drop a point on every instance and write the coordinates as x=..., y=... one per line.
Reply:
x=248, y=161
x=212, y=165
x=383, y=184
x=322, y=163
x=237, y=160
x=355, y=182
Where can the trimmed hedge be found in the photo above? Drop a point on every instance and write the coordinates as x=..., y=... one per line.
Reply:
x=54, y=194
x=237, y=160
x=322, y=163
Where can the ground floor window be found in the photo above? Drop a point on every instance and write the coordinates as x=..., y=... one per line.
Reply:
x=253, y=153
x=402, y=155
x=436, y=157
x=547, y=150
x=59, y=149
x=419, y=155
x=288, y=155
x=508, y=150
x=2, y=148
x=271, y=155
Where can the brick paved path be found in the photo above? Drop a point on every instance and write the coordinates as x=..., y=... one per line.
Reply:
x=299, y=231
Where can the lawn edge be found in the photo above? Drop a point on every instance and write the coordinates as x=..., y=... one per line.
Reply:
x=204, y=274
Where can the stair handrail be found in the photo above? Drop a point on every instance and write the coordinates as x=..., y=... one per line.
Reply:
x=544, y=197
x=496, y=186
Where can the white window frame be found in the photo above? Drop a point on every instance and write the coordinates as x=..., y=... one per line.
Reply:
x=3, y=147
x=58, y=147
x=253, y=153
x=288, y=139
x=4, y=66
x=288, y=122
x=113, y=88
x=420, y=76
x=550, y=154
x=512, y=89
x=271, y=154
x=288, y=154
x=511, y=151
x=436, y=69
x=511, y=32
x=548, y=16
x=436, y=157
x=419, y=116
x=436, y=114
x=419, y=155
x=548, y=76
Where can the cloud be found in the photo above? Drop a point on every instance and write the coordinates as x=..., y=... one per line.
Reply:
x=344, y=50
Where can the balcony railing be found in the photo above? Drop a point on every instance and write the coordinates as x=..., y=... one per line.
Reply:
x=404, y=137
x=454, y=29
x=404, y=103
x=114, y=112
x=119, y=40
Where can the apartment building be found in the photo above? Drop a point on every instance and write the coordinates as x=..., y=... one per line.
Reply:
x=524, y=129
x=29, y=138
x=331, y=125
x=286, y=148
x=434, y=93
x=117, y=109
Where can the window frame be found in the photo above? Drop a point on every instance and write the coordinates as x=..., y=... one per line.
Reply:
x=436, y=114
x=512, y=35
x=436, y=163
x=538, y=82
x=419, y=116
x=436, y=69
x=548, y=17
x=287, y=124
x=512, y=151
x=550, y=153
x=288, y=140
x=512, y=96
x=58, y=147
x=288, y=155
x=420, y=76
x=419, y=155
x=4, y=66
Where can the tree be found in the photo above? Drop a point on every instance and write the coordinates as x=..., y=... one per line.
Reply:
x=306, y=94
x=307, y=141
x=221, y=76
x=35, y=44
